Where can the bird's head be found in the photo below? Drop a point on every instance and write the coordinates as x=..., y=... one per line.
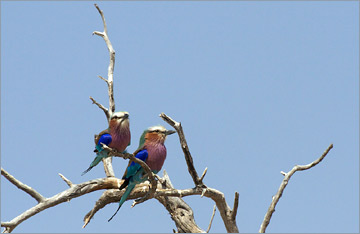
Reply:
x=157, y=134
x=118, y=119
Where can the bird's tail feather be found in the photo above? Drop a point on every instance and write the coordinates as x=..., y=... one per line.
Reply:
x=86, y=171
x=125, y=183
x=98, y=158
x=128, y=190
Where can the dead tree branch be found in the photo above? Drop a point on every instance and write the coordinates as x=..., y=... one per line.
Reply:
x=106, y=111
x=68, y=182
x=283, y=185
x=32, y=192
x=110, y=79
x=228, y=215
x=211, y=220
x=164, y=192
x=180, y=212
x=109, y=171
x=185, y=148
x=114, y=195
x=76, y=190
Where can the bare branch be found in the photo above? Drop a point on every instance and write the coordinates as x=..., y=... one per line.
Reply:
x=203, y=175
x=103, y=200
x=211, y=220
x=148, y=196
x=112, y=196
x=203, y=192
x=102, y=17
x=217, y=196
x=74, y=191
x=201, y=188
x=68, y=182
x=236, y=205
x=109, y=171
x=184, y=147
x=110, y=79
x=180, y=212
x=106, y=111
x=7, y=229
x=32, y=192
x=283, y=185
x=107, y=82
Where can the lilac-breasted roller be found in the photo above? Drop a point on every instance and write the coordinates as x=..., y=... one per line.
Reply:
x=153, y=152
x=116, y=136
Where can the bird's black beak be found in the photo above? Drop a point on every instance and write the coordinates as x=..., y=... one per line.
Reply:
x=126, y=116
x=169, y=132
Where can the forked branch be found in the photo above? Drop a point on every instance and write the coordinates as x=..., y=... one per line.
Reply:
x=228, y=215
x=180, y=212
x=164, y=191
x=283, y=185
x=110, y=79
x=109, y=171
x=75, y=190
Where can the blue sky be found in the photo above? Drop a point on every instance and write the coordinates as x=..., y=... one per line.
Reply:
x=258, y=87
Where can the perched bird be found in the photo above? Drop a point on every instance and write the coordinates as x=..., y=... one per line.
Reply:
x=116, y=136
x=153, y=152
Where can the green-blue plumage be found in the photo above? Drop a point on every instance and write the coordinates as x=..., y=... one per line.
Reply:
x=100, y=153
x=152, y=151
x=134, y=175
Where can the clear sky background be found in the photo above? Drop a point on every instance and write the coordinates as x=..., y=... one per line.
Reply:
x=258, y=87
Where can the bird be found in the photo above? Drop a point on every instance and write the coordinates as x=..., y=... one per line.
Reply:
x=152, y=151
x=116, y=136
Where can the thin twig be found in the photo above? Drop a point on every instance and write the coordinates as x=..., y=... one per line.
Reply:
x=211, y=220
x=32, y=192
x=106, y=111
x=107, y=82
x=203, y=174
x=283, y=185
x=68, y=182
x=235, y=207
x=203, y=192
